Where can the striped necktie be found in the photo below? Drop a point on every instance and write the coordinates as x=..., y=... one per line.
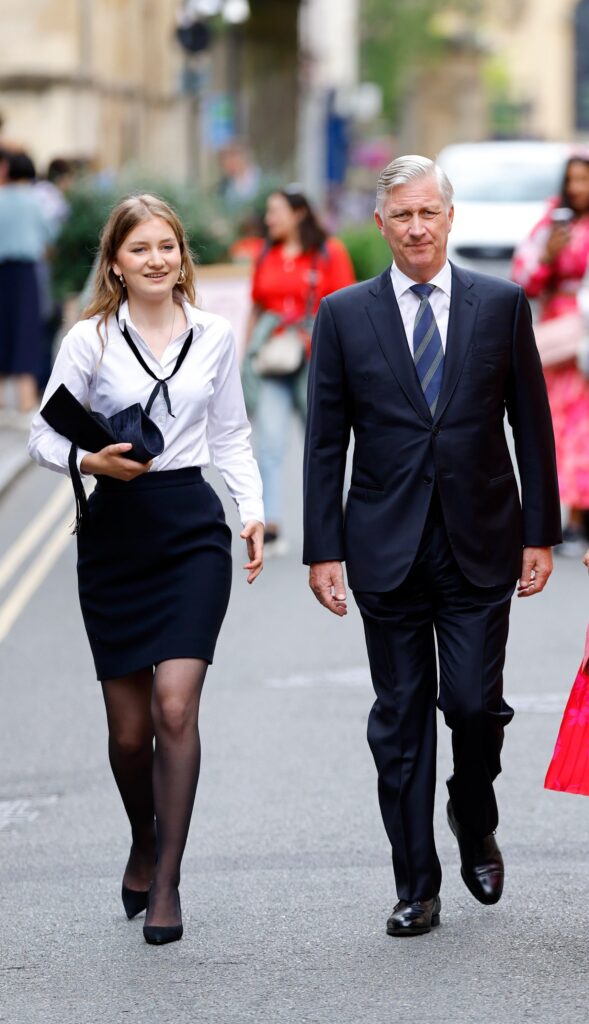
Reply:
x=428, y=352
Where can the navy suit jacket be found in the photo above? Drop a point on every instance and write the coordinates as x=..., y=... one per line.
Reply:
x=363, y=378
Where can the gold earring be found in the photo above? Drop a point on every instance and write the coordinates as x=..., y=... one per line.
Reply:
x=181, y=276
x=122, y=280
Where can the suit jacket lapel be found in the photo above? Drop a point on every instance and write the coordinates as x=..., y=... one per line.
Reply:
x=383, y=312
x=463, y=312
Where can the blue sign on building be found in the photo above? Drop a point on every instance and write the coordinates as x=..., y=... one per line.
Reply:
x=218, y=120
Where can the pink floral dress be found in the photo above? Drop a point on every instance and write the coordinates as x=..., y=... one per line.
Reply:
x=556, y=285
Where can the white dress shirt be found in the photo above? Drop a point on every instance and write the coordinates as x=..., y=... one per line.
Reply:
x=209, y=419
x=439, y=300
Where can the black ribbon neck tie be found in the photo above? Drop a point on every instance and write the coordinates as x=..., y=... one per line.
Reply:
x=163, y=387
x=162, y=382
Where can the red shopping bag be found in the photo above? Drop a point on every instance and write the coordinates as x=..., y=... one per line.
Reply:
x=568, y=771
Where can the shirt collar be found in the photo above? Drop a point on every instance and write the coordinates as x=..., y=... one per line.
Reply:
x=194, y=316
x=402, y=283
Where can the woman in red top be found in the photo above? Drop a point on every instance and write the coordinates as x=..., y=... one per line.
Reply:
x=298, y=267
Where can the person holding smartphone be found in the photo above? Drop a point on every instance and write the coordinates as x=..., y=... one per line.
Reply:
x=551, y=265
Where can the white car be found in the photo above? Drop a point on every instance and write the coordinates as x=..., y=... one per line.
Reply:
x=501, y=190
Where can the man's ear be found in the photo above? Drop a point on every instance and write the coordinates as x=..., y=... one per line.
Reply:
x=379, y=221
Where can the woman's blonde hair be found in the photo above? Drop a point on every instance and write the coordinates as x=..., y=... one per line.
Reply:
x=108, y=292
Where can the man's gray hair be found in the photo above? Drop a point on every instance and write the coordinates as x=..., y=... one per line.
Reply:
x=407, y=168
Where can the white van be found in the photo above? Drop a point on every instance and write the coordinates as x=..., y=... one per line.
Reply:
x=501, y=190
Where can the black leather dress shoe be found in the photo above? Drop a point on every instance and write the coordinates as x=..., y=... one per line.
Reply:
x=482, y=864
x=417, y=917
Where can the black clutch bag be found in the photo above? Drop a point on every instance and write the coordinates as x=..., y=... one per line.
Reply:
x=92, y=431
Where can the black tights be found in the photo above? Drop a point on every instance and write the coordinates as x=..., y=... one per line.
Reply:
x=158, y=785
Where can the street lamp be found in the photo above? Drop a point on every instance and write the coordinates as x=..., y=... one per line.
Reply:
x=202, y=8
x=236, y=12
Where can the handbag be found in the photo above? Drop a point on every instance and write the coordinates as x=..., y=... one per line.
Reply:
x=568, y=771
x=92, y=432
x=282, y=354
x=559, y=340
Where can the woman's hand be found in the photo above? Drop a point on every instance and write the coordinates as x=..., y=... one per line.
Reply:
x=253, y=535
x=586, y=559
x=109, y=461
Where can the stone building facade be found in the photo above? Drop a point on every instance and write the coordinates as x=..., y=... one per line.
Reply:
x=107, y=82
x=94, y=79
x=509, y=68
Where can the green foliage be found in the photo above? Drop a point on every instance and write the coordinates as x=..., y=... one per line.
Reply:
x=507, y=117
x=398, y=34
x=368, y=250
x=209, y=231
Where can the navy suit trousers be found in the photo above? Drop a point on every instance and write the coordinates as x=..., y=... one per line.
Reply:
x=435, y=604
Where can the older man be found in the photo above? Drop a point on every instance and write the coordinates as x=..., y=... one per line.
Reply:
x=422, y=363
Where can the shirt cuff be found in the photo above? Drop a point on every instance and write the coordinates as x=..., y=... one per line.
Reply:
x=253, y=510
x=80, y=456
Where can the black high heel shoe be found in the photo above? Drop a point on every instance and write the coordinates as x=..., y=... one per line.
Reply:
x=134, y=901
x=158, y=935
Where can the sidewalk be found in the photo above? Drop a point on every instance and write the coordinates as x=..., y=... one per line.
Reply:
x=14, y=458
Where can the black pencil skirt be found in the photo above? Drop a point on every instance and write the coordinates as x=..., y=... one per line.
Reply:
x=154, y=570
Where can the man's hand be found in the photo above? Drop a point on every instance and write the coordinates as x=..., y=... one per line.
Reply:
x=536, y=568
x=326, y=580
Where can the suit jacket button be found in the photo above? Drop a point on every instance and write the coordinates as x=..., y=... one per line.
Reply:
x=427, y=480
x=435, y=430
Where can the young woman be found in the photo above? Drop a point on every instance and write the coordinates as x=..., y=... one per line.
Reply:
x=154, y=562
x=299, y=265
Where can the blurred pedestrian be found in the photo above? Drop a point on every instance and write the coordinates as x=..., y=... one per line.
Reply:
x=52, y=191
x=299, y=265
x=154, y=552
x=240, y=176
x=24, y=236
x=550, y=265
x=422, y=363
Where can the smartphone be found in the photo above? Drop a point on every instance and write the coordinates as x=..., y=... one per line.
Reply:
x=561, y=215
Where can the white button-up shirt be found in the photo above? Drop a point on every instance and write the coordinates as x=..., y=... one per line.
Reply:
x=439, y=300
x=209, y=422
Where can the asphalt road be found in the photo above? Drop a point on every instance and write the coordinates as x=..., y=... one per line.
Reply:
x=287, y=881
